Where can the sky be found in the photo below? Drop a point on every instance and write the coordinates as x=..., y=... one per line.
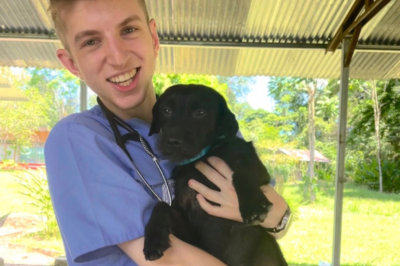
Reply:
x=258, y=97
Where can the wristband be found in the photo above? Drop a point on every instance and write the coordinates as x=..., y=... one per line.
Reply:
x=282, y=224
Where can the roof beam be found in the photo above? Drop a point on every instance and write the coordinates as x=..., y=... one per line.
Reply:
x=353, y=44
x=354, y=20
x=21, y=37
x=7, y=37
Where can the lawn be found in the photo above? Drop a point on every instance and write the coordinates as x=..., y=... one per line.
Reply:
x=371, y=226
x=12, y=201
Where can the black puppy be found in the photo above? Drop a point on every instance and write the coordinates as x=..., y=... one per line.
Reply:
x=195, y=123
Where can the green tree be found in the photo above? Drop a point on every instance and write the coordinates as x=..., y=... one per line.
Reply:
x=374, y=125
x=163, y=81
x=20, y=119
x=52, y=95
x=59, y=87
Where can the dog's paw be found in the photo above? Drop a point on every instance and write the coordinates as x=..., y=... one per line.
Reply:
x=155, y=248
x=156, y=242
x=254, y=209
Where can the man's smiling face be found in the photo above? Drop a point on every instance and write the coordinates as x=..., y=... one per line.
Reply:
x=113, y=48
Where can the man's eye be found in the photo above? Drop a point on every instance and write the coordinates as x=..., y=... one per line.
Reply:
x=199, y=113
x=166, y=111
x=90, y=43
x=128, y=30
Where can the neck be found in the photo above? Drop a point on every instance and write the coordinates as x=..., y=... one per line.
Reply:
x=142, y=111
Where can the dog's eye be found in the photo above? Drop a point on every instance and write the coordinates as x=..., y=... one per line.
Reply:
x=167, y=111
x=199, y=113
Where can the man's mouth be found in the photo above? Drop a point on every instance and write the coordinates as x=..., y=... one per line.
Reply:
x=124, y=79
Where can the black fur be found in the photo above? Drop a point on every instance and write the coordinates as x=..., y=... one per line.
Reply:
x=190, y=118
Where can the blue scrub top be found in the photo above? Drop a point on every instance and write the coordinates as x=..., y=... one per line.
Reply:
x=98, y=198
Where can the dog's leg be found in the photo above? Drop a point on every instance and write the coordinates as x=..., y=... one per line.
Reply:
x=249, y=175
x=157, y=231
x=253, y=204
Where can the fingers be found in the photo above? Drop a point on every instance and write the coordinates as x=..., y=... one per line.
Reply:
x=221, y=167
x=212, y=174
x=210, y=194
x=206, y=206
x=218, y=211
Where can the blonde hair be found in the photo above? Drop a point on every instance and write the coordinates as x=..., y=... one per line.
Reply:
x=55, y=8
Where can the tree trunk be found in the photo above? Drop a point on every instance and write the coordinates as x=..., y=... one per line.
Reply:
x=16, y=152
x=311, y=135
x=377, y=118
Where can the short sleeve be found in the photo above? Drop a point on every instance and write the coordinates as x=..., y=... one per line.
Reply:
x=97, y=202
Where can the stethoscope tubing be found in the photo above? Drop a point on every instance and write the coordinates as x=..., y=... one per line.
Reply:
x=114, y=120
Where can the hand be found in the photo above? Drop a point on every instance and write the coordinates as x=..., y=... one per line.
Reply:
x=221, y=175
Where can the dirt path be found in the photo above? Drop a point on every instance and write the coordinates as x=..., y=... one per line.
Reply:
x=14, y=255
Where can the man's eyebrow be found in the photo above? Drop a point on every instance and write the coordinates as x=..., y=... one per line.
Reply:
x=83, y=34
x=128, y=20
x=86, y=33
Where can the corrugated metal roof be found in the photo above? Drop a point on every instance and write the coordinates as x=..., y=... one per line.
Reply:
x=217, y=22
x=304, y=155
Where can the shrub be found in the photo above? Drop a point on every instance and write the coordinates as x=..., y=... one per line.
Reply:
x=368, y=171
x=35, y=187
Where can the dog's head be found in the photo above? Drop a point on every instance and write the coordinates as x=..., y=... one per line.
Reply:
x=190, y=118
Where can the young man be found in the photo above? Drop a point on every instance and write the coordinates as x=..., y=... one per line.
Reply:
x=99, y=198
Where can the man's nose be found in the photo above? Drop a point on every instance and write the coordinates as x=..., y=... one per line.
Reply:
x=117, y=52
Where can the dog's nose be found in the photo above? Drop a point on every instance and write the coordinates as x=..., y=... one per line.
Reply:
x=174, y=142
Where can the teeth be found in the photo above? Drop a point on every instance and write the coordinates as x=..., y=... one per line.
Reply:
x=124, y=79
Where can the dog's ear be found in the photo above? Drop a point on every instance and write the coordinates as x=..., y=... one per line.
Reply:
x=229, y=127
x=155, y=123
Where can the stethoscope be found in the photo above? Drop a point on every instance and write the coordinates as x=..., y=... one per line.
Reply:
x=133, y=135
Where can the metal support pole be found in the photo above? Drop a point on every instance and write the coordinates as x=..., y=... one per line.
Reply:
x=83, y=96
x=341, y=152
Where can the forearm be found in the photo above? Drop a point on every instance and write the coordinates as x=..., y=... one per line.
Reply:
x=276, y=213
x=180, y=253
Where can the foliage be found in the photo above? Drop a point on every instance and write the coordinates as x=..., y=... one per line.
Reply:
x=52, y=94
x=362, y=120
x=163, y=81
x=20, y=120
x=58, y=89
x=367, y=171
x=8, y=164
x=35, y=187
x=326, y=172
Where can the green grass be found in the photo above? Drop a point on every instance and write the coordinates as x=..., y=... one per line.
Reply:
x=370, y=228
x=11, y=201
x=38, y=240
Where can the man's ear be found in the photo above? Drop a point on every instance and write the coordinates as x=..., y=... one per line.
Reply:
x=66, y=59
x=229, y=127
x=155, y=123
x=154, y=36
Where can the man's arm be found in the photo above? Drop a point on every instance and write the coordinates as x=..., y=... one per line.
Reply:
x=221, y=175
x=180, y=253
x=277, y=212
